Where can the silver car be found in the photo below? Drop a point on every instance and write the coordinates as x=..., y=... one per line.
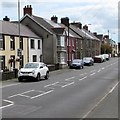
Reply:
x=77, y=63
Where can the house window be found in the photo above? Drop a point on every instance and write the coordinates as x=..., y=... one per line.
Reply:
x=32, y=44
x=21, y=43
x=61, y=41
x=2, y=62
x=38, y=44
x=12, y=43
x=34, y=58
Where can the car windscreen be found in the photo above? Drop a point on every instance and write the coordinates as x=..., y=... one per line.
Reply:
x=76, y=61
x=88, y=59
x=32, y=65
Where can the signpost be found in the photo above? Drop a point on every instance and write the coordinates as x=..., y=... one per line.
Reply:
x=19, y=52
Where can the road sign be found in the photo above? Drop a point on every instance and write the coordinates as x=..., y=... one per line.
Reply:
x=19, y=52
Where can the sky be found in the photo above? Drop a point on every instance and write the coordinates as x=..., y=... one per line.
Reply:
x=101, y=16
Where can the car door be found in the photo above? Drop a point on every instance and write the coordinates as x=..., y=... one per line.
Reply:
x=41, y=69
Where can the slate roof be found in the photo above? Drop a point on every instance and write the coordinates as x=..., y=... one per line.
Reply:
x=83, y=33
x=71, y=33
x=10, y=28
x=48, y=24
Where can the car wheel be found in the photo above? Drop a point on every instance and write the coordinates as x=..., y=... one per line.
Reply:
x=20, y=79
x=47, y=75
x=38, y=77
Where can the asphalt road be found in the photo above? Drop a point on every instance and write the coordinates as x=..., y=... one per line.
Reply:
x=67, y=93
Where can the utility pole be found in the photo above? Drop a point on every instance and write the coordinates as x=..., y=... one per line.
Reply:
x=68, y=46
x=19, y=30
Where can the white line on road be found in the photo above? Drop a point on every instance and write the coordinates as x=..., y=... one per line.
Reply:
x=82, y=74
x=103, y=68
x=68, y=84
x=113, y=87
x=69, y=78
x=92, y=74
x=51, y=84
x=99, y=70
x=11, y=103
x=82, y=78
x=9, y=85
x=100, y=101
x=42, y=94
x=20, y=93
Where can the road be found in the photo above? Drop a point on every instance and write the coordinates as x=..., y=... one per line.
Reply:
x=67, y=93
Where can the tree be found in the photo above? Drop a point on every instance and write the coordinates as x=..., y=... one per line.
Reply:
x=106, y=49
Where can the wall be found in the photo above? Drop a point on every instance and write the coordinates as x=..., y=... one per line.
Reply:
x=35, y=51
x=7, y=52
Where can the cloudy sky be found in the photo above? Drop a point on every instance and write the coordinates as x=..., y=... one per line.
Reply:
x=101, y=14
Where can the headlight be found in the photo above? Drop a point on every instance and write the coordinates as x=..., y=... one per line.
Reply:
x=19, y=72
x=33, y=72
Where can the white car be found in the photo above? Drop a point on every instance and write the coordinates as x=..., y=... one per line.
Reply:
x=33, y=70
x=88, y=61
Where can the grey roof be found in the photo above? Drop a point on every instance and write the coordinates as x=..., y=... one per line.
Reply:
x=71, y=33
x=83, y=33
x=47, y=24
x=13, y=29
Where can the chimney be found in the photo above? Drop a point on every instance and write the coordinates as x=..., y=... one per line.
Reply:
x=77, y=24
x=85, y=27
x=65, y=21
x=6, y=18
x=27, y=10
x=54, y=19
x=95, y=33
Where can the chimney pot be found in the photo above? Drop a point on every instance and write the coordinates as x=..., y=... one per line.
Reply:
x=77, y=24
x=27, y=10
x=65, y=21
x=54, y=19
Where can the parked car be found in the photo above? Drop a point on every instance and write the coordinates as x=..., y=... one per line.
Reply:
x=98, y=59
x=34, y=70
x=88, y=61
x=107, y=57
x=77, y=63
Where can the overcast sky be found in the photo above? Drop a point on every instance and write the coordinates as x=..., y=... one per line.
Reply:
x=101, y=14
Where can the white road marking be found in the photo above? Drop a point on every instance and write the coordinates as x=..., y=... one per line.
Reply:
x=24, y=95
x=103, y=68
x=82, y=74
x=51, y=84
x=20, y=93
x=9, y=85
x=69, y=78
x=42, y=94
x=93, y=71
x=11, y=103
x=100, y=101
x=99, y=70
x=92, y=74
x=113, y=88
x=67, y=84
x=83, y=78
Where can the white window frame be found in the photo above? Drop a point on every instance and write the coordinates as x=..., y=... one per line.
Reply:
x=62, y=41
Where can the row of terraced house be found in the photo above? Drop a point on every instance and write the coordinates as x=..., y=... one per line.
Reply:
x=34, y=38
